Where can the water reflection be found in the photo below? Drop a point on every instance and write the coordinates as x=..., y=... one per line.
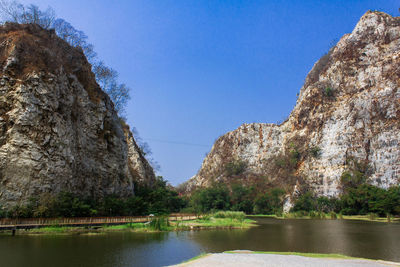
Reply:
x=354, y=238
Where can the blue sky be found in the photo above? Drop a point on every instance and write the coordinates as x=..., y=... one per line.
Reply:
x=199, y=69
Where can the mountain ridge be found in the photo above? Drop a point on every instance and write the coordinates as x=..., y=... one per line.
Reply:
x=347, y=111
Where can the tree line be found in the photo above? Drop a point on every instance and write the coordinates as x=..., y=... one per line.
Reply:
x=159, y=199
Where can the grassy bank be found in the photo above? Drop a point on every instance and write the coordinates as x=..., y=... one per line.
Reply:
x=331, y=216
x=219, y=220
x=310, y=255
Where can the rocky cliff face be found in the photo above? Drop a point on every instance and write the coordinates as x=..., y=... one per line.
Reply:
x=348, y=111
x=58, y=130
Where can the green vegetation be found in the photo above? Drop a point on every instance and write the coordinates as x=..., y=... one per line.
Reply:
x=241, y=198
x=209, y=199
x=311, y=255
x=106, y=77
x=329, y=92
x=159, y=224
x=221, y=219
x=357, y=196
x=158, y=199
x=202, y=255
x=236, y=215
x=360, y=200
x=322, y=216
x=270, y=203
x=315, y=151
x=237, y=198
x=235, y=167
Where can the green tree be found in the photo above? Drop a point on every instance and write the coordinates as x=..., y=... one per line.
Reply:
x=208, y=199
x=305, y=202
x=392, y=200
x=241, y=198
x=270, y=203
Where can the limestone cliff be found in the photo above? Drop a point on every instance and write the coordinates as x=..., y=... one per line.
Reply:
x=58, y=130
x=347, y=110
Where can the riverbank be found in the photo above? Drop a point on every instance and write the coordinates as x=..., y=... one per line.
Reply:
x=258, y=258
x=328, y=216
x=158, y=224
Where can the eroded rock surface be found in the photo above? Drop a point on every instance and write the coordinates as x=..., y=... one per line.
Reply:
x=58, y=130
x=348, y=109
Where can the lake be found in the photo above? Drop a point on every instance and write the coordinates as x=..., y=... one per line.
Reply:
x=353, y=238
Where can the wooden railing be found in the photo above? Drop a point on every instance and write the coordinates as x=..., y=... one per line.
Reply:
x=21, y=223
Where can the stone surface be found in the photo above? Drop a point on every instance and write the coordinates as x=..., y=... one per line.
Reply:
x=58, y=130
x=357, y=118
x=275, y=260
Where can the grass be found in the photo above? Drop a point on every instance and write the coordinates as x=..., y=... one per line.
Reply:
x=294, y=215
x=218, y=220
x=311, y=255
x=218, y=223
x=51, y=229
x=370, y=218
x=238, y=215
x=264, y=215
x=202, y=255
x=54, y=230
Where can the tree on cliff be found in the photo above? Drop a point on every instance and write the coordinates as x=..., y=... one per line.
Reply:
x=106, y=77
x=12, y=11
x=16, y=12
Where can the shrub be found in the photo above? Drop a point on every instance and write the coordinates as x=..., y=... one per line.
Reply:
x=294, y=156
x=313, y=215
x=241, y=198
x=300, y=214
x=237, y=215
x=329, y=92
x=2, y=212
x=322, y=215
x=235, y=167
x=372, y=216
x=327, y=204
x=270, y=203
x=333, y=215
x=215, y=198
x=305, y=202
x=315, y=151
x=159, y=224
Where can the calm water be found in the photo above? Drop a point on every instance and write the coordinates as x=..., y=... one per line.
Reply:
x=353, y=238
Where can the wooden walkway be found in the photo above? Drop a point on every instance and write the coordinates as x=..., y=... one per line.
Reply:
x=28, y=223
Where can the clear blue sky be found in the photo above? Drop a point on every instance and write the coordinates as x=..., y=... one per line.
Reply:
x=199, y=69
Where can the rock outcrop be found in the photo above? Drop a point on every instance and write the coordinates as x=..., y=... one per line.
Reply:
x=347, y=111
x=58, y=130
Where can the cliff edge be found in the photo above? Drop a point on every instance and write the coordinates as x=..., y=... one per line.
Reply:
x=347, y=113
x=58, y=130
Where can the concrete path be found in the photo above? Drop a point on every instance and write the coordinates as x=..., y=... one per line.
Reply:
x=249, y=259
